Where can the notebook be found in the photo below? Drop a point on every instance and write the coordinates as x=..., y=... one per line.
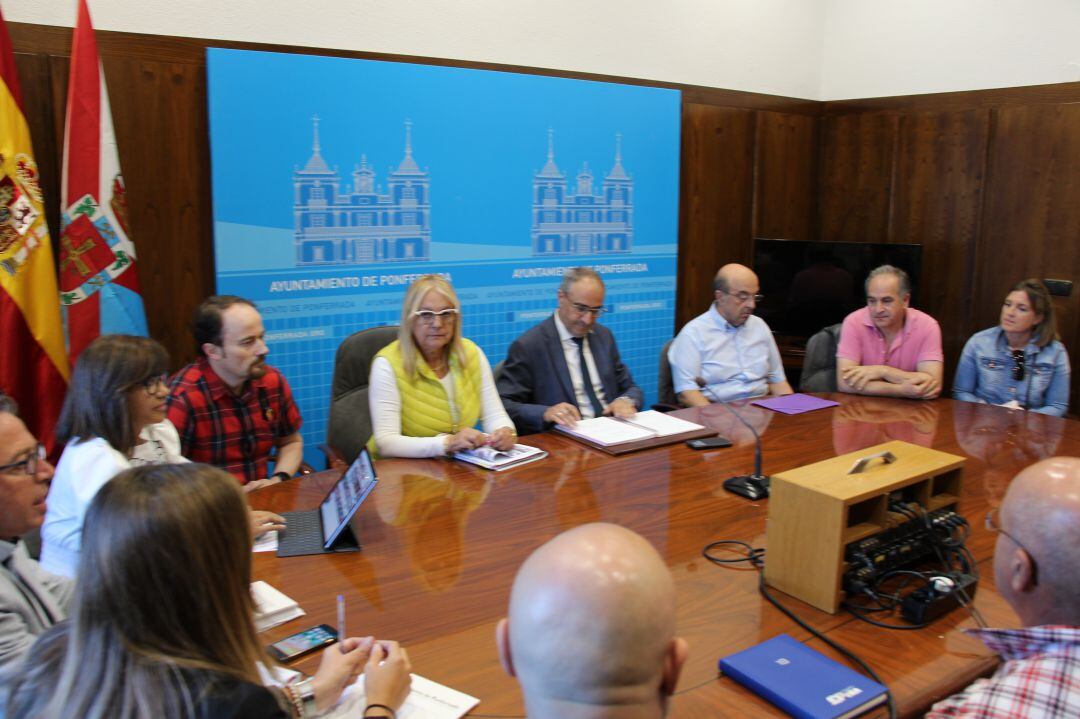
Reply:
x=802, y=681
x=608, y=431
x=326, y=529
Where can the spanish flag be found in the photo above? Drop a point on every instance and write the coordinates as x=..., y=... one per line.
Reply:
x=99, y=285
x=33, y=363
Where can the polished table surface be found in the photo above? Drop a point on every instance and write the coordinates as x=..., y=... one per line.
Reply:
x=442, y=541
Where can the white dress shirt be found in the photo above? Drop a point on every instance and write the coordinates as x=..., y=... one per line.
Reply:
x=573, y=363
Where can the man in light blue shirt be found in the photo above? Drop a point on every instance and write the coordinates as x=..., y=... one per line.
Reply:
x=727, y=353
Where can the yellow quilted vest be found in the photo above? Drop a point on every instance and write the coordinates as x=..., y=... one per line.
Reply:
x=425, y=408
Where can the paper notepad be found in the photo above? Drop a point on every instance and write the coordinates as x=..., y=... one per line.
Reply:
x=427, y=700
x=272, y=607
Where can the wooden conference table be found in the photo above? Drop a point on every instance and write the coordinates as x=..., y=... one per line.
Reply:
x=442, y=541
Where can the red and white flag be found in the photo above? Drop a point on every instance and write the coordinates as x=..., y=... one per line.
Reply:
x=99, y=286
x=33, y=364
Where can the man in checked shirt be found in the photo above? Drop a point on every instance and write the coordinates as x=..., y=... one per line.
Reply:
x=1037, y=571
x=230, y=408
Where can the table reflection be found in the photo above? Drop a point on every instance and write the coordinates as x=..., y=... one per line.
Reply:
x=431, y=510
x=861, y=422
x=1004, y=440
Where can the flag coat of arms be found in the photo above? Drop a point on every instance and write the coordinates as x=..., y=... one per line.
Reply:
x=99, y=285
x=33, y=362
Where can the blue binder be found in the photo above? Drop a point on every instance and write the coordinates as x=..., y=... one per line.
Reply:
x=803, y=682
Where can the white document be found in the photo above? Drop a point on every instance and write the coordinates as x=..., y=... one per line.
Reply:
x=272, y=607
x=663, y=425
x=427, y=700
x=266, y=542
x=607, y=431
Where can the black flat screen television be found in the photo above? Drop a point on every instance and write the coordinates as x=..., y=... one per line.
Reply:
x=811, y=285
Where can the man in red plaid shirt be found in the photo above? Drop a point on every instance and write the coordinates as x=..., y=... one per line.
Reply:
x=1037, y=570
x=232, y=409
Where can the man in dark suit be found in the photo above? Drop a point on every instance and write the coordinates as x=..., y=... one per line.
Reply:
x=542, y=382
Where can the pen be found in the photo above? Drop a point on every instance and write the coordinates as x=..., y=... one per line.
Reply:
x=341, y=621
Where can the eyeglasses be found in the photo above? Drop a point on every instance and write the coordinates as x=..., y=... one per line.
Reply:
x=153, y=382
x=993, y=525
x=744, y=297
x=30, y=464
x=586, y=310
x=1018, y=368
x=427, y=317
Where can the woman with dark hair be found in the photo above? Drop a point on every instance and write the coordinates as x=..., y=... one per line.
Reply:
x=1021, y=363
x=162, y=621
x=431, y=386
x=113, y=418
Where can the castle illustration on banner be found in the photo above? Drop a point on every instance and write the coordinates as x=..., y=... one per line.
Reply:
x=582, y=222
x=360, y=224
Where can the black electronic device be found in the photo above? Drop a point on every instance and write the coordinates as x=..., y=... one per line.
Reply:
x=752, y=486
x=327, y=529
x=747, y=486
x=708, y=443
x=809, y=285
x=943, y=594
x=899, y=547
x=301, y=643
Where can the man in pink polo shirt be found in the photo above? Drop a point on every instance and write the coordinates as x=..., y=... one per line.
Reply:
x=888, y=348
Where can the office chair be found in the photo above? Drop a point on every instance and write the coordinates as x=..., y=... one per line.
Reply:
x=349, y=426
x=667, y=400
x=819, y=365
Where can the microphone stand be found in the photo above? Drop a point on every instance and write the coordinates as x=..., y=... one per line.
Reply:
x=751, y=486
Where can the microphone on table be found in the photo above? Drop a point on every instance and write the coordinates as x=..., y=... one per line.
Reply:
x=751, y=486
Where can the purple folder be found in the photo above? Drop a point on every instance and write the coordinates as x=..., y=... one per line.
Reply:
x=794, y=403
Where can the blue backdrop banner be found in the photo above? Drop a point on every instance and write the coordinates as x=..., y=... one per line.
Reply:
x=337, y=181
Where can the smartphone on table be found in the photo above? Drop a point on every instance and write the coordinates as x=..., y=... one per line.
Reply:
x=708, y=443
x=301, y=643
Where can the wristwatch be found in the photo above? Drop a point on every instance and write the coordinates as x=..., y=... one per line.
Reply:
x=283, y=476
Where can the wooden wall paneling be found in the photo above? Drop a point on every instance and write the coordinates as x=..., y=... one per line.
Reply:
x=159, y=113
x=937, y=200
x=1051, y=94
x=785, y=176
x=856, y=177
x=716, y=191
x=1032, y=216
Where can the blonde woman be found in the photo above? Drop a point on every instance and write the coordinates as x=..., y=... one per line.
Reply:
x=430, y=387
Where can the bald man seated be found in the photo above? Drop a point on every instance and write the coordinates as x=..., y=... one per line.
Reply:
x=591, y=630
x=727, y=353
x=1037, y=571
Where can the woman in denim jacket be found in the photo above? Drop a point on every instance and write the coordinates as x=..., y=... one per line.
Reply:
x=1020, y=363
